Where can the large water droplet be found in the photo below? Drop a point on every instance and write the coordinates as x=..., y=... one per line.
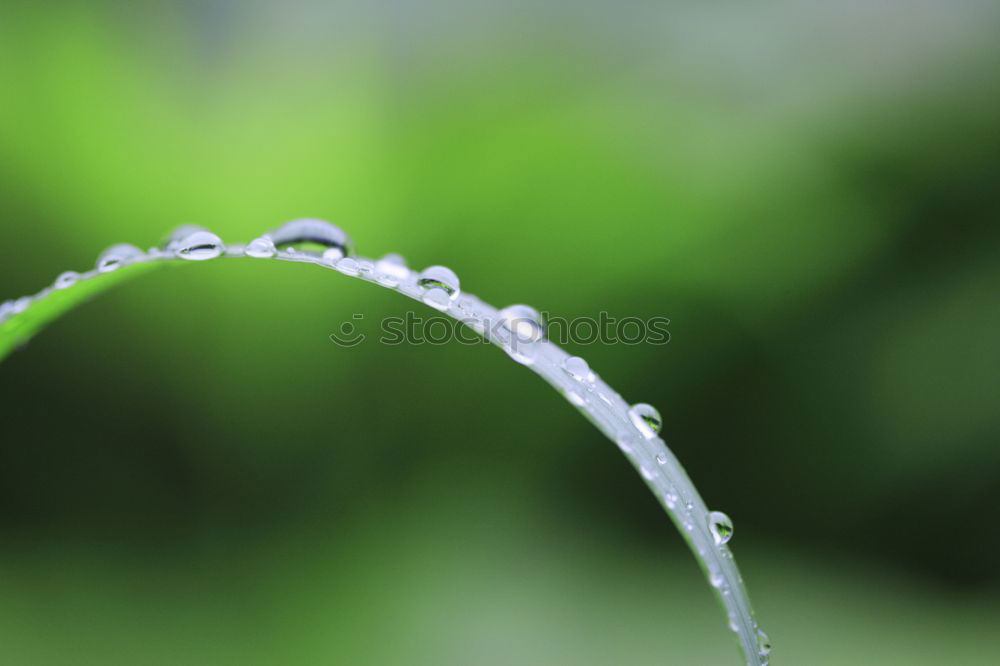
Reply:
x=179, y=234
x=66, y=280
x=199, y=246
x=646, y=419
x=308, y=233
x=524, y=322
x=578, y=369
x=763, y=643
x=440, y=277
x=117, y=256
x=261, y=248
x=721, y=527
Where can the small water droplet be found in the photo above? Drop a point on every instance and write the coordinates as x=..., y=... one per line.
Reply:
x=116, y=256
x=332, y=255
x=733, y=625
x=524, y=322
x=440, y=277
x=576, y=398
x=437, y=298
x=307, y=233
x=720, y=526
x=199, y=246
x=392, y=268
x=348, y=266
x=66, y=280
x=647, y=473
x=578, y=369
x=661, y=459
x=716, y=579
x=671, y=499
x=6, y=310
x=646, y=419
x=261, y=248
x=763, y=643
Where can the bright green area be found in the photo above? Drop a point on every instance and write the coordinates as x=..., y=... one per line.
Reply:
x=192, y=473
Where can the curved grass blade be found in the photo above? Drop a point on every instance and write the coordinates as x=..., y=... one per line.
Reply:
x=571, y=376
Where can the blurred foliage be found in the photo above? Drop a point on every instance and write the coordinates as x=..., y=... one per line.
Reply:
x=192, y=473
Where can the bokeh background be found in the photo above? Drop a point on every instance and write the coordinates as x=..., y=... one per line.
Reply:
x=192, y=473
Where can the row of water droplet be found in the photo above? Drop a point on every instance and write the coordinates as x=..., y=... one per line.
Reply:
x=635, y=428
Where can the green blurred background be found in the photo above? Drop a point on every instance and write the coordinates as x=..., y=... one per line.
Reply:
x=192, y=473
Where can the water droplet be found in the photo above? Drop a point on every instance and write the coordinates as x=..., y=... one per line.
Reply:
x=261, y=248
x=199, y=246
x=716, y=579
x=332, y=255
x=733, y=625
x=646, y=419
x=661, y=459
x=578, y=369
x=524, y=322
x=763, y=643
x=179, y=234
x=66, y=280
x=116, y=256
x=720, y=526
x=348, y=266
x=647, y=473
x=671, y=499
x=440, y=277
x=392, y=269
x=302, y=235
x=576, y=398
x=437, y=298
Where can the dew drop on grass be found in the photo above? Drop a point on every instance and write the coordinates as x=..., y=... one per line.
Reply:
x=199, y=246
x=116, y=256
x=261, y=248
x=66, y=280
x=524, y=322
x=179, y=234
x=393, y=267
x=440, y=277
x=646, y=419
x=332, y=255
x=577, y=368
x=348, y=266
x=763, y=643
x=437, y=298
x=721, y=527
x=306, y=233
x=716, y=579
